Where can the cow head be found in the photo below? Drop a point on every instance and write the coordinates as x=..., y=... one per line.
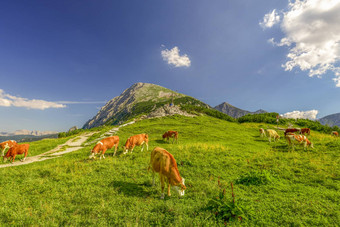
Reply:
x=92, y=155
x=180, y=190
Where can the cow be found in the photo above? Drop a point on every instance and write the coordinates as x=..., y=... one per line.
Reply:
x=293, y=139
x=305, y=131
x=103, y=145
x=15, y=150
x=164, y=163
x=292, y=130
x=262, y=132
x=272, y=134
x=335, y=133
x=136, y=140
x=171, y=134
x=6, y=144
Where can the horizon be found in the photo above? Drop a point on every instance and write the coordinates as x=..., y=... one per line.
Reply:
x=62, y=61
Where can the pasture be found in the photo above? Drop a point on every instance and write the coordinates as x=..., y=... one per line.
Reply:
x=275, y=187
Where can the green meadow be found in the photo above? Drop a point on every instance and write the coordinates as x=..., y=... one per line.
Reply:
x=271, y=187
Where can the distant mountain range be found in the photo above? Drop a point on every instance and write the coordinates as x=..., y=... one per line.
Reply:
x=150, y=100
x=234, y=111
x=28, y=132
x=331, y=120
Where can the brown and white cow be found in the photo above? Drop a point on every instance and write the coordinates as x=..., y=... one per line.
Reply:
x=6, y=145
x=291, y=130
x=262, y=132
x=136, y=140
x=103, y=145
x=164, y=163
x=15, y=150
x=171, y=134
x=305, y=131
x=272, y=134
x=335, y=133
x=293, y=139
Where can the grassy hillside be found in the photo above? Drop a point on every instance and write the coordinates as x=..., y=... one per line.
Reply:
x=272, y=186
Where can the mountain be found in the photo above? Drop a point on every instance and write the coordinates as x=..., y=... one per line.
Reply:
x=25, y=132
x=142, y=99
x=331, y=120
x=234, y=111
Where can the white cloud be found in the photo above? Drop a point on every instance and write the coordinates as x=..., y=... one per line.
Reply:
x=173, y=58
x=312, y=34
x=296, y=114
x=270, y=19
x=7, y=100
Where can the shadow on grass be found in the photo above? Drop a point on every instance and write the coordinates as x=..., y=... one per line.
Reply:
x=162, y=141
x=130, y=189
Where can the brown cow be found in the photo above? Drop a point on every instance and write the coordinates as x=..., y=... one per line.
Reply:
x=171, y=134
x=136, y=140
x=15, y=150
x=293, y=139
x=335, y=133
x=164, y=163
x=105, y=144
x=305, y=131
x=291, y=130
x=6, y=144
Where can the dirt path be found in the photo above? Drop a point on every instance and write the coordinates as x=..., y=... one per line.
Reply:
x=71, y=145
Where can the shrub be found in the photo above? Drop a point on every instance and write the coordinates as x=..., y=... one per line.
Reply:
x=226, y=209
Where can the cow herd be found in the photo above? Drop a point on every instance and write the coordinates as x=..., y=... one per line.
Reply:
x=161, y=161
x=293, y=136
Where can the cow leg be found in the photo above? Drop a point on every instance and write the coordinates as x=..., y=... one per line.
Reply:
x=142, y=145
x=133, y=146
x=147, y=146
x=162, y=185
x=169, y=194
x=13, y=158
x=115, y=150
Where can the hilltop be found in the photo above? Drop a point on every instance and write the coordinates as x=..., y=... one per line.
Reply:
x=142, y=99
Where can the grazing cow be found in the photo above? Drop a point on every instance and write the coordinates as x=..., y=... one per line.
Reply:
x=103, y=145
x=164, y=163
x=171, y=134
x=262, y=132
x=272, y=134
x=291, y=130
x=305, y=131
x=6, y=144
x=293, y=139
x=15, y=150
x=136, y=140
x=335, y=133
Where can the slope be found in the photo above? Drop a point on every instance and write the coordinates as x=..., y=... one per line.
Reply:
x=273, y=186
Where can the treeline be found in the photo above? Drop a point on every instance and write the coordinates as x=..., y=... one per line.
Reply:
x=270, y=118
x=71, y=133
x=210, y=112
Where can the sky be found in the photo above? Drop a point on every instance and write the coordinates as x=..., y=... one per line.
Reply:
x=61, y=61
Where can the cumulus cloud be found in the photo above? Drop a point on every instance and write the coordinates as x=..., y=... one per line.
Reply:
x=172, y=57
x=7, y=100
x=270, y=19
x=296, y=114
x=312, y=34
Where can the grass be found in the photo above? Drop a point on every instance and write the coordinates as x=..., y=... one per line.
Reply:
x=277, y=187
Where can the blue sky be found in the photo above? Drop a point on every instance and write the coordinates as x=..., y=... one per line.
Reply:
x=73, y=56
